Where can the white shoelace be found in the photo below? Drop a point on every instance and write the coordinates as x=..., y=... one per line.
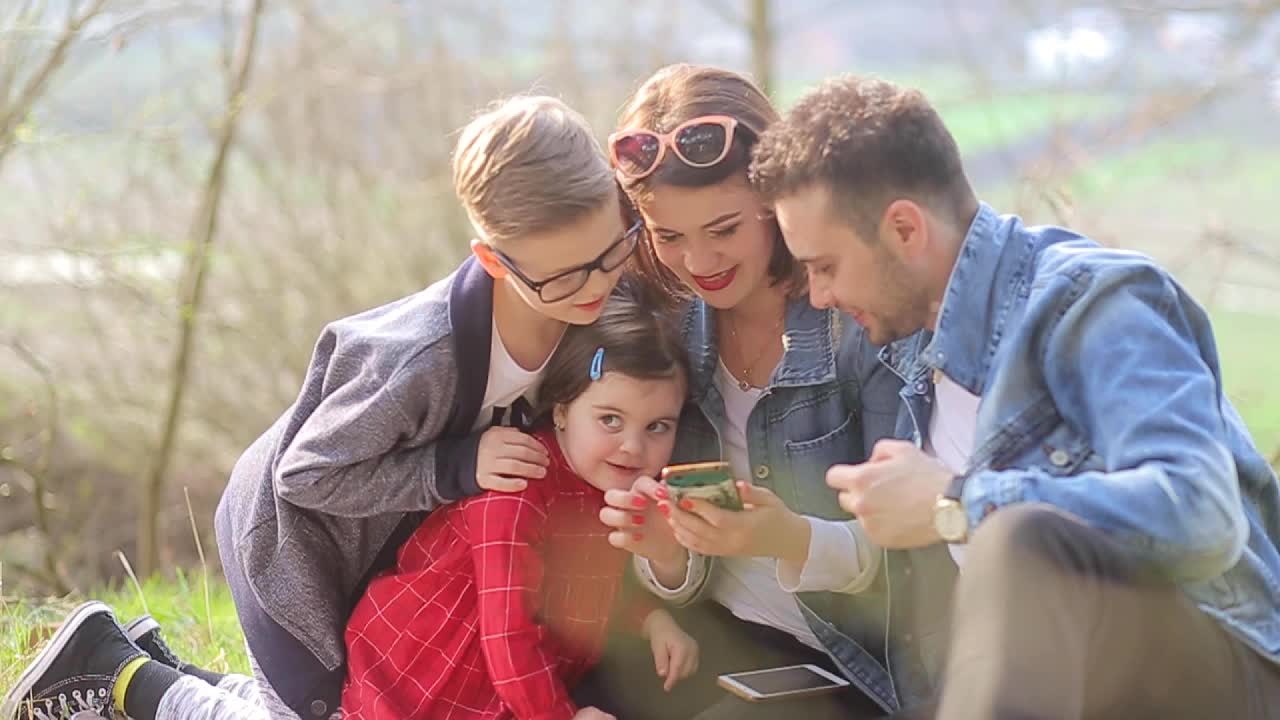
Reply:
x=77, y=706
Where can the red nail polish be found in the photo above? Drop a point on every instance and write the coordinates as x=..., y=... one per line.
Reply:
x=686, y=504
x=665, y=509
x=640, y=501
x=661, y=492
x=637, y=519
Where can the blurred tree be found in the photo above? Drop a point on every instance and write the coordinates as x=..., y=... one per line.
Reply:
x=19, y=92
x=758, y=27
x=204, y=232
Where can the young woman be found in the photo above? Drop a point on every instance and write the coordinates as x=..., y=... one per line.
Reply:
x=780, y=390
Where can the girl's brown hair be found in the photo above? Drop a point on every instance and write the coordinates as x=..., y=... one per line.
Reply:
x=637, y=342
x=678, y=93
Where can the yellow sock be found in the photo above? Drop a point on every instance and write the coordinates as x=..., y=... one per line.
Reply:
x=122, y=681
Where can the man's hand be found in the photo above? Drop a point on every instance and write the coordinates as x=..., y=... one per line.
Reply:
x=765, y=527
x=675, y=652
x=506, y=456
x=893, y=493
x=590, y=713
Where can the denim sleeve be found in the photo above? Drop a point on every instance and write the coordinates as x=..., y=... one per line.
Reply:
x=1131, y=363
x=870, y=388
x=851, y=359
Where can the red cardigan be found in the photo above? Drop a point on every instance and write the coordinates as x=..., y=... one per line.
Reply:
x=496, y=605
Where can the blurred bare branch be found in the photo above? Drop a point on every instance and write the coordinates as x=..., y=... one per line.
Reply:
x=14, y=112
x=38, y=471
x=336, y=194
x=760, y=30
x=197, y=267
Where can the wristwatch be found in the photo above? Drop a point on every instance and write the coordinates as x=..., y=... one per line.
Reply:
x=949, y=517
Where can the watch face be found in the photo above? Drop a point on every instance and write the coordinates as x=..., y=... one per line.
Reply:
x=951, y=522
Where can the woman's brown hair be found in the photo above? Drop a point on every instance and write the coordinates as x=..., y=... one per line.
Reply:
x=678, y=93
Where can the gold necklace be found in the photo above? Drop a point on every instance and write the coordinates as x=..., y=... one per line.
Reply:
x=743, y=382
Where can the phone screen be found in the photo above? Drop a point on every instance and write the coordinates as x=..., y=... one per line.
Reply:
x=781, y=680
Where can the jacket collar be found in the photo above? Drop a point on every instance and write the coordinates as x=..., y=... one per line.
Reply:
x=989, y=280
x=809, y=339
x=471, y=324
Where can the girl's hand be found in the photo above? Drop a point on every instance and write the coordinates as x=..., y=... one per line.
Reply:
x=637, y=528
x=675, y=652
x=590, y=713
x=765, y=527
x=506, y=456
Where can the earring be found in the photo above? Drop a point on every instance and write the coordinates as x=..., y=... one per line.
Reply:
x=559, y=426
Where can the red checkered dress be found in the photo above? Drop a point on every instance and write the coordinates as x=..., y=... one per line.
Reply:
x=496, y=606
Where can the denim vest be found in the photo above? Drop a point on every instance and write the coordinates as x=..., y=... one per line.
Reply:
x=1102, y=395
x=827, y=401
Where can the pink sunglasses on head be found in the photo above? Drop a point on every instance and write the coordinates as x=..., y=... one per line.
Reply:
x=700, y=143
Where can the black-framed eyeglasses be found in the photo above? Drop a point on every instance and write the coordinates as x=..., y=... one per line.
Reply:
x=565, y=284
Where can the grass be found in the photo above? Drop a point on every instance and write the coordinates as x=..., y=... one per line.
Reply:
x=987, y=123
x=1220, y=167
x=1175, y=180
x=1248, y=345
x=1162, y=198
x=209, y=637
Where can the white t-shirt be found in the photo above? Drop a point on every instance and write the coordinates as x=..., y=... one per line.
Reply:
x=841, y=558
x=951, y=432
x=507, y=382
x=748, y=587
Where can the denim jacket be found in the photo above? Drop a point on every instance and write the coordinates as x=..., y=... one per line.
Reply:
x=1101, y=394
x=827, y=401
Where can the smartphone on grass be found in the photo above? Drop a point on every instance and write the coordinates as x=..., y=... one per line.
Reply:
x=781, y=683
x=710, y=481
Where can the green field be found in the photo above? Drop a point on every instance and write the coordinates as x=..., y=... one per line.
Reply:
x=208, y=636
x=982, y=124
x=1248, y=346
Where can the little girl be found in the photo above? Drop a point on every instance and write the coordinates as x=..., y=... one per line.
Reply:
x=498, y=604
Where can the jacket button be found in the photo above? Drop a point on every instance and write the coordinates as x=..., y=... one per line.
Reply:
x=762, y=471
x=1059, y=457
x=319, y=708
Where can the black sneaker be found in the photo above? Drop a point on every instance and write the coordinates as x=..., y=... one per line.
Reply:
x=145, y=633
x=74, y=672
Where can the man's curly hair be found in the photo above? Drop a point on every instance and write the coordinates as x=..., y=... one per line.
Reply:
x=869, y=142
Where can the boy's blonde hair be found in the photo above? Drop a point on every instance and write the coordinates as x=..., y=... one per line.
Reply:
x=528, y=165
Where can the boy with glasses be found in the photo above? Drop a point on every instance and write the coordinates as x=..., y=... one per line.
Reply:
x=404, y=408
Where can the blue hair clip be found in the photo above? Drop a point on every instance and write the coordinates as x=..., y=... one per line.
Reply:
x=597, y=364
